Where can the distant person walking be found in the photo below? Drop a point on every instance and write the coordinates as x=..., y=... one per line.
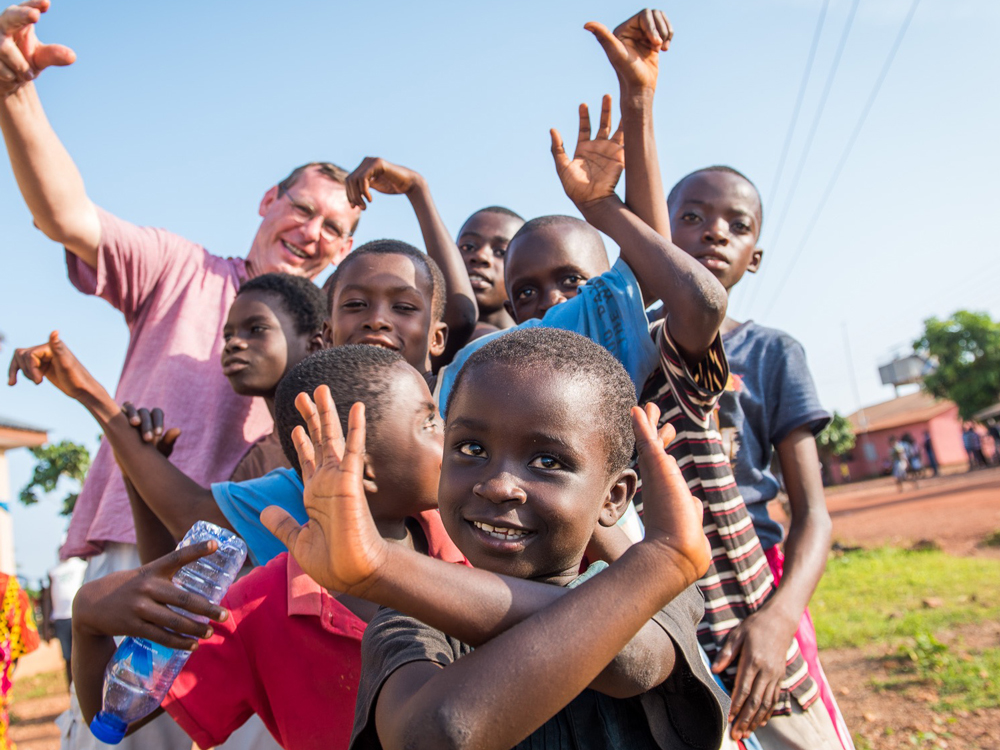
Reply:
x=973, y=447
x=932, y=462
x=65, y=579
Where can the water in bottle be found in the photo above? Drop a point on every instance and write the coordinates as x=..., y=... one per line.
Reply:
x=141, y=672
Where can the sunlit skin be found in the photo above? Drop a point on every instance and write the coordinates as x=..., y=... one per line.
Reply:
x=715, y=218
x=385, y=300
x=304, y=230
x=523, y=451
x=483, y=242
x=549, y=265
x=261, y=343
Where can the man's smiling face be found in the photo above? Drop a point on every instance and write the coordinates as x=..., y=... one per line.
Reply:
x=304, y=229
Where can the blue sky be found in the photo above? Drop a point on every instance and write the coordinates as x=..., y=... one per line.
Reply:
x=182, y=114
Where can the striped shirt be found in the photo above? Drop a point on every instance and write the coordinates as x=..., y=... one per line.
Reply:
x=739, y=580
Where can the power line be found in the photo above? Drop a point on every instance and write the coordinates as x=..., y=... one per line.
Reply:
x=846, y=153
x=812, y=128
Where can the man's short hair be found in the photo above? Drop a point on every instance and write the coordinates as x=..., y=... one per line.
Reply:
x=326, y=168
x=354, y=372
x=395, y=247
x=541, y=222
x=553, y=349
x=502, y=210
x=717, y=168
x=301, y=298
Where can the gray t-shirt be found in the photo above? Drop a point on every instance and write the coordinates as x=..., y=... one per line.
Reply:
x=772, y=394
x=687, y=711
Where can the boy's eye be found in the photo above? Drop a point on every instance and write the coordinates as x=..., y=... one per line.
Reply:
x=466, y=247
x=472, y=449
x=690, y=217
x=258, y=329
x=405, y=307
x=523, y=294
x=574, y=280
x=352, y=304
x=739, y=226
x=500, y=252
x=226, y=335
x=545, y=462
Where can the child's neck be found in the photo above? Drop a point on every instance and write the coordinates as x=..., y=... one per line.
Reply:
x=729, y=324
x=499, y=318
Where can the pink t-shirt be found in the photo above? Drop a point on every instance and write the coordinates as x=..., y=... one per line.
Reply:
x=175, y=296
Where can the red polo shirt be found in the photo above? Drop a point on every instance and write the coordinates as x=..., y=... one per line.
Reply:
x=289, y=652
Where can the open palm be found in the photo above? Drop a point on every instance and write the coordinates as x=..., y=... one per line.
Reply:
x=597, y=163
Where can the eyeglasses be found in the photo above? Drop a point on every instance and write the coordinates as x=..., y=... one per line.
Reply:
x=329, y=231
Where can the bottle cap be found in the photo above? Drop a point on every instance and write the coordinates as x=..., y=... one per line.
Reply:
x=108, y=728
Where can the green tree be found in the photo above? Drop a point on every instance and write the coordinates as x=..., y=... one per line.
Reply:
x=55, y=461
x=966, y=351
x=837, y=438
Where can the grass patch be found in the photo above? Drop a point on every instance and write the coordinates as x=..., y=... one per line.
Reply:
x=992, y=540
x=963, y=679
x=878, y=595
x=39, y=685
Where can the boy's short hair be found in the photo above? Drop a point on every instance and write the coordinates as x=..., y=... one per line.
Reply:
x=503, y=210
x=354, y=372
x=541, y=222
x=301, y=298
x=717, y=168
x=395, y=247
x=526, y=349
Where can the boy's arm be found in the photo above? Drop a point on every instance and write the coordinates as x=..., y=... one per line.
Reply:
x=135, y=603
x=45, y=172
x=634, y=51
x=461, y=311
x=761, y=641
x=176, y=499
x=341, y=549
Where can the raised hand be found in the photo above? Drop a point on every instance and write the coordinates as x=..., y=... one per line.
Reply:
x=634, y=48
x=672, y=516
x=53, y=360
x=148, y=422
x=383, y=176
x=138, y=602
x=340, y=547
x=22, y=56
x=597, y=163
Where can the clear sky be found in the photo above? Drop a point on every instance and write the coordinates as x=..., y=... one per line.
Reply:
x=182, y=114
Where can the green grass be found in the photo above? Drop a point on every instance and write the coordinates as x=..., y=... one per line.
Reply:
x=877, y=595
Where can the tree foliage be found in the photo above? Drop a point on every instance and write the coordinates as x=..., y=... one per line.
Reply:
x=837, y=438
x=966, y=351
x=55, y=461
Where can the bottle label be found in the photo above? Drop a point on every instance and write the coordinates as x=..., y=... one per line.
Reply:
x=144, y=656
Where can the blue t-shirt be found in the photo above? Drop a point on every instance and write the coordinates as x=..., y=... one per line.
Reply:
x=608, y=310
x=771, y=394
x=242, y=502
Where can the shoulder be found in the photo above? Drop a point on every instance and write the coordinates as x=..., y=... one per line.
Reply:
x=264, y=584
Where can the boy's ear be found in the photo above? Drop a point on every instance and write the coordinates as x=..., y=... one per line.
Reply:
x=510, y=309
x=756, y=259
x=618, y=498
x=327, y=335
x=317, y=341
x=438, y=338
x=269, y=198
x=368, y=480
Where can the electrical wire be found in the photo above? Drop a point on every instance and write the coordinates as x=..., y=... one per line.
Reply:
x=846, y=153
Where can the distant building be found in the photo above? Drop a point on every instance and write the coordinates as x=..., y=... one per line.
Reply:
x=12, y=435
x=914, y=414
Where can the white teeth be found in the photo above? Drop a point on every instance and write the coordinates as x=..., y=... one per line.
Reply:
x=501, y=532
x=294, y=250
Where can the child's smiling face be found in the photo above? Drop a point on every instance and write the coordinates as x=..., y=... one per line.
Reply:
x=715, y=217
x=386, y=300
x=483, y=242
x=524, y=479
x=261, y=343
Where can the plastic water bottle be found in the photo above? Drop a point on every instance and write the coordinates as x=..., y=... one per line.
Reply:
x=141, y=672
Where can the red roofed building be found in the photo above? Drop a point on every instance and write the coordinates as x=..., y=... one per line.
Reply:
x=915, y=414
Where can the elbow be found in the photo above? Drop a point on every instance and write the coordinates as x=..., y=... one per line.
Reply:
x=443, y=728
x=716, y=303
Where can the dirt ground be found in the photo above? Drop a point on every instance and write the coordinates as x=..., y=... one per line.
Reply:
x=956, y=511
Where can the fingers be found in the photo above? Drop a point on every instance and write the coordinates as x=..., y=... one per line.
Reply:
x=49, y=55
x=157, y=419
x=358, y=182
x=304, y=450
x=665, y=29
x=604, y=129
x=729, y=651
x=558, y=151
x=146, y=425
x=170, y=564
x=650, y=28
x=748, y=699
x=584, y=133
x=612, y=46
x=31, y=361
x=332, y=434
x=354, y=447
x=166, y=444
x=307, y=409
x=279, y=522
x=131, y=414
x=619, y=136
x=14, y=66
x=17, y=17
